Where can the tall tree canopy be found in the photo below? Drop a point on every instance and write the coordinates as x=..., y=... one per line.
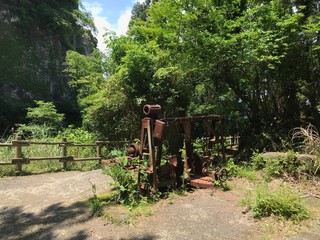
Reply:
x=255, y=61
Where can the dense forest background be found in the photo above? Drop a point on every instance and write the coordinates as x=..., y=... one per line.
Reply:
x=254, y=61
x=35, y=36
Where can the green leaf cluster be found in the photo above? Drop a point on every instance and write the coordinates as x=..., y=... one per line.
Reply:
x=44, y=120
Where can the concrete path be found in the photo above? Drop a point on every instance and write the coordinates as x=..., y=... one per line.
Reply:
x=38, y=206
x=53, y=206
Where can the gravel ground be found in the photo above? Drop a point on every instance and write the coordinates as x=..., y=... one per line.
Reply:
x=53, y=206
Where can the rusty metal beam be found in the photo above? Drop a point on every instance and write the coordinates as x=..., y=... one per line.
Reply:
x=192, y=119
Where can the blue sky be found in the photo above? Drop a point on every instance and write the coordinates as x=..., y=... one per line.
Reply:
x=110, y=14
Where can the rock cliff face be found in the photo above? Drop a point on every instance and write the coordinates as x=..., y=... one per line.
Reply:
x=34, y=38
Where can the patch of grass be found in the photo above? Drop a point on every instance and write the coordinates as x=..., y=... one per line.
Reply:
x=7, y=171
x=224, y=186
x=242, y=171
x=119, y=214
x=96, y=203
x=248, y=173
x=106, y=207
x=281, y=201
x=276, y=228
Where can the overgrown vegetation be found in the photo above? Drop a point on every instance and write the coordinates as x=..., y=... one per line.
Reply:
x=293, y=164
x=281, y=201
x=45, y=125
x=253, y=61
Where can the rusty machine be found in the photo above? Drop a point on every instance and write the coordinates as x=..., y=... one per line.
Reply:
x=197, y=162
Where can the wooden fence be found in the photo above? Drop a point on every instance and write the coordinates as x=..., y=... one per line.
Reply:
x=18, y=144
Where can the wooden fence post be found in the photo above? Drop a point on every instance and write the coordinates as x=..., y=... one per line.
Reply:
x=64, y=152
x=19, y=153
x=99, y=149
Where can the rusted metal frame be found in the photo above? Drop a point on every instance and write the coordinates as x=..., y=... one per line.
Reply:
x=192, y=119
x=223, y=140
x=144, y=127
x=153, y=165
x=147, y=138
x=188, y=145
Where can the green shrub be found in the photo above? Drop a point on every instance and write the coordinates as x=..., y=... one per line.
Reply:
x=278, y=166
x=126, y=184
x=258, y=161
x=282, y=201
x=232, y=168
x=44, y=121
x=244, y=171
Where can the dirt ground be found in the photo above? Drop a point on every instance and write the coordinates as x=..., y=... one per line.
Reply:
x=53, y=206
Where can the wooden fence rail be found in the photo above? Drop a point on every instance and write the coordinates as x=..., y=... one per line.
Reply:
x=64, y=158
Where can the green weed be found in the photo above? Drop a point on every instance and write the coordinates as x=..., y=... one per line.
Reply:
x=241, y=170
x=282, y=202
x=126, y=185
x=281, y=165
x=248, y=173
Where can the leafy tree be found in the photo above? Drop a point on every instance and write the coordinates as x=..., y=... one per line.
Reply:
x=255, y=61
x=139, y=10
x=44, y=120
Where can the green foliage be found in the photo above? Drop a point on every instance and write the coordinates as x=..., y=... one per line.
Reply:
x=63, y=18
x=242, y=171
x=76, y=135
x=126, y=183
x=45, y=113
x=232, y=168
x=282, y=201
x=80, y=136
x=224, y=186
x=253, y=61
x=44, y=120
x=285, y=164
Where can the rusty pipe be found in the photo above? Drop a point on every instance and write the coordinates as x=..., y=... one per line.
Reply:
x=151, y=109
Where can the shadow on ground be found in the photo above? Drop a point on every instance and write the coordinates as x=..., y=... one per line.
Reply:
x=54, y=222
x=15, y=223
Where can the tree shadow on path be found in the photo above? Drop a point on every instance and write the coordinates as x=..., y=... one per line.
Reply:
x=54, y=222
x=15, y=223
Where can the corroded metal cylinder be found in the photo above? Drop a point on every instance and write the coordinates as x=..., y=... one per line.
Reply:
x=151, y=109
x=133, y=150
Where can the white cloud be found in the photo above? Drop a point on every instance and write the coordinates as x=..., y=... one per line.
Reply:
x=101, y=22
x=123, y=22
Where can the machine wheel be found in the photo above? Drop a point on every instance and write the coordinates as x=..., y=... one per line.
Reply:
x=222, y=175
x=204, y=168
